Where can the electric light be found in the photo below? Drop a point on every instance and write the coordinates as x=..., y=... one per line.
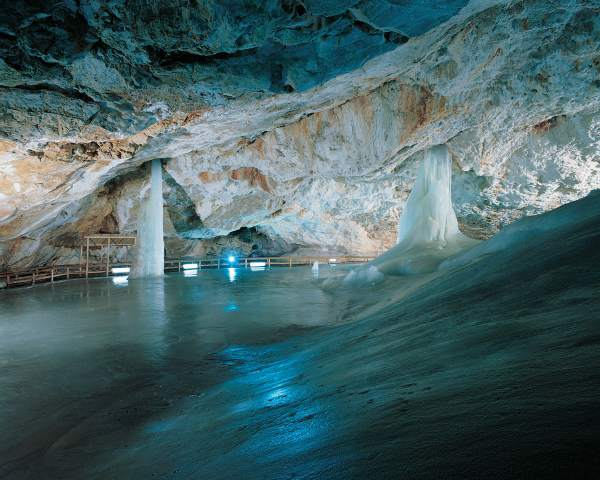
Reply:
x=120, y=269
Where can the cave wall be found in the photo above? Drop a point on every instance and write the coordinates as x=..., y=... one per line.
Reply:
x=511, y=86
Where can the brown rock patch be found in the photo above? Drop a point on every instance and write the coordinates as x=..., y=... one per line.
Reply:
x=253, y=176
x=546, y=125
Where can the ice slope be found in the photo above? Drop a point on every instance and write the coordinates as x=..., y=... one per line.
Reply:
x=489, y=369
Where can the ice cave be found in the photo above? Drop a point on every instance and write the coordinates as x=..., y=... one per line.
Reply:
x=299, y=239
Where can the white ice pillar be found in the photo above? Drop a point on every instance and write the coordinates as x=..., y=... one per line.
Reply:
x=150, y=259
x=428, y=217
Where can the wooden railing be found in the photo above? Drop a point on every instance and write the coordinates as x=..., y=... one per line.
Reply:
x=42, y=274
x=65, y=272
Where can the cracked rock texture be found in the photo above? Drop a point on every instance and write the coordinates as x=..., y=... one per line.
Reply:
x=288, y=126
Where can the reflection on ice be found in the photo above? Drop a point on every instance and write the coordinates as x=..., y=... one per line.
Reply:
x=232, y=307
x=263, y=387
x=120, y=280
x=231, y=273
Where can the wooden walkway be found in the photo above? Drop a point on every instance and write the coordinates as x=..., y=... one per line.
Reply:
x=105, y=269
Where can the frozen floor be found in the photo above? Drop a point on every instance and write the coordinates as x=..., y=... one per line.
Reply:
x=490, y=369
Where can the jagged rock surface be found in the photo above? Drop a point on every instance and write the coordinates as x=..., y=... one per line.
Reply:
x=511, y=86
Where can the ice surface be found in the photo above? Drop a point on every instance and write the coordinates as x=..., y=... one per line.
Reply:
x=151, y=245
x=363, y=276
x=487, y=368
x=528, y=229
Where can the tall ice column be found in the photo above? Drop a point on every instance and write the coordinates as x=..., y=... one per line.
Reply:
x=150, y=259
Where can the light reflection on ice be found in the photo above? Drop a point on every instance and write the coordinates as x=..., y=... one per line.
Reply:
x=278, y=398
x=120, y=280
x=232, y=273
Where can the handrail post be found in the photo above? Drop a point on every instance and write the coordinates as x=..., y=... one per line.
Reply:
x=67, y=273
x=179, y=266
x=107, y=256
x=87, y=257
x=52, y=275
x=290, y=262
x=218, y=263
x=246, y=262
x=269, y=262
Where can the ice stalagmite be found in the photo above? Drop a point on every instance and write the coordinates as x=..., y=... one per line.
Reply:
x=150, y=241
x=428, y=218
x=428, y=230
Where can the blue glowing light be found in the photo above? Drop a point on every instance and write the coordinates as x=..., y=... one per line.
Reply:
x=232, y=307
x=231, y=259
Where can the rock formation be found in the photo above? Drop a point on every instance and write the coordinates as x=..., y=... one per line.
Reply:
x=288, y=126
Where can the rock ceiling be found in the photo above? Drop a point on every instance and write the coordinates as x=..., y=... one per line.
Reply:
x=303, y=120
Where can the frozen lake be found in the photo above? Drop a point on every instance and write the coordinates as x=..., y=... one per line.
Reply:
x=100, y=357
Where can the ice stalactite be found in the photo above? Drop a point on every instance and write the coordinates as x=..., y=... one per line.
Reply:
x=151, y=246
